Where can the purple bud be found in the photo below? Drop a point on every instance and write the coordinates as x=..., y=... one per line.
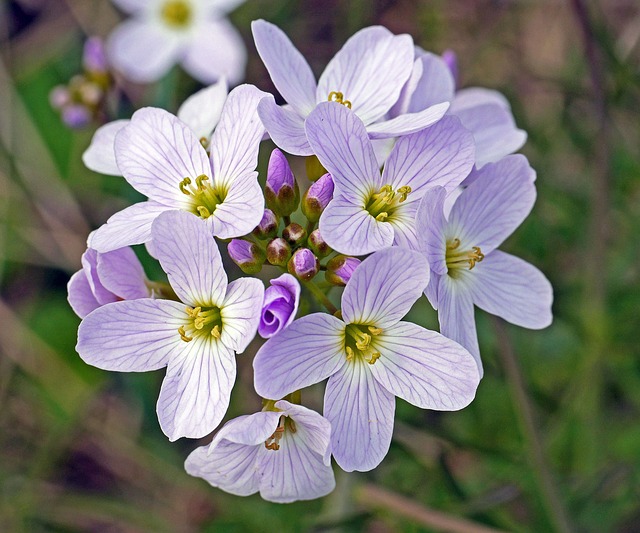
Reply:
x=340, y=269
x=94, y=58
x=317, y=198
x=278, y=252
x=451, y=60
x=247, y=255
x=280, y=305
x=76, y=115
x=318, y=245
x=59, y=97
x=294, y=233
x=303, y=265
x=268, y=226
x=281, y=190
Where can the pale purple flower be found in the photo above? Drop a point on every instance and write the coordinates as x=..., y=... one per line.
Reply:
x=161, y=33
x=370, y=211
x=162, y=158
x=370, y=356
x=280, y=305
x=366, y=75
x=485, y=112
x=106, y=278
x=282, y=453
x=467, y=269
x=195, y=338
x=200, y=112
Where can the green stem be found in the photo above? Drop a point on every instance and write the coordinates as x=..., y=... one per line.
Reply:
x=320, y=296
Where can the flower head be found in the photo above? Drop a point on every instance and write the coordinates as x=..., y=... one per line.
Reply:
x=467, y=269
x=366, y=76
x=161, y=33
x=195, y=338
x=370, y=356
x=282, y=452
x=280, y=305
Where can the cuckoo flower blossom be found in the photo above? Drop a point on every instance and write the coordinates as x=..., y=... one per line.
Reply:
x=195, y=338
x=280, y=305
x=370, y=211
x=366, y=75
x=467, y=269
x=201, y=112
x=161, y=33
x=370, y=356
x=106, y=278
x=283, y=453
x=162, y=158
x=485, y=112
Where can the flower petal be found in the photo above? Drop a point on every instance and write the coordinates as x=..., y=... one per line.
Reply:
x=313, y=428
x=130, y=226
x=121, y=273
x=215, y=50
x=80, y=296
x=513, y=289
x=440, y=155
x=350, y=229
x=384, y=286
x=195, y=392
x=202, y=110
x=249, y=430
x=305, y=353
x=227, y=465
x=361, y=415
x=288, y=69
x=407, y=123
x=294, y=472
x=435, y=83
x=236, y=140
x=156, y=151
x=456, y=315
x=240, y=312
x=494, y=205
x=131, y=6
x=189, y=255
x=132, y=335
x=425, y=368
x=101, y=156
x=339, y=139
x=370, y=70
x=430, y=224
x=90, y=267
x=241, y=210
x=143, y=51
x=285, y=127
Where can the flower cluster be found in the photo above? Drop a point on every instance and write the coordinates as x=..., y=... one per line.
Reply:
x=449, y=193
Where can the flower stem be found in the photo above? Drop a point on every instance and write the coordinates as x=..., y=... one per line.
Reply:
x=551, y=498
x=320, y=296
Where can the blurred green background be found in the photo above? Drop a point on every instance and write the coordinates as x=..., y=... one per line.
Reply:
x=552, y=441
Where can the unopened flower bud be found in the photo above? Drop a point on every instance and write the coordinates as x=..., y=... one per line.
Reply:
x=278, y=252
x=268, y=226
x=317, y=198
x=76, y=115
x=294, y=234
x=281, y=190
x=93, y=56
x=304, y=265
x=59, y=97
x=279, y=306
x=318, y=245
x=340, y=269
x=247, y=255
x=314, y=168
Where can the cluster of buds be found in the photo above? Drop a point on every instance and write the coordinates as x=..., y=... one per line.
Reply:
x=296, y=248
x=82, y=99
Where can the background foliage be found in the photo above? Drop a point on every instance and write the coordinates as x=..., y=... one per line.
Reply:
x=551, y=442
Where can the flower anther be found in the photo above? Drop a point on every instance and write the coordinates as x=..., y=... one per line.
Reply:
x=201, y=321
x=457, y=258
x=205, y=197
x=360, y=341
x=273, y=442
x=176, y=13
x=337, y=96
x=382, y=204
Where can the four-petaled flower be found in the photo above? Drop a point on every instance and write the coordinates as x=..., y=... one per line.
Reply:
x=370, y=356
x=282, y=452
x=466, y=268
x=195, y=338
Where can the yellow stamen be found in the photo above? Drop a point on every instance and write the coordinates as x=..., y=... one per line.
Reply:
x=176, y=13
x=183, y=334
x=215, y=331
x=461, y=259
x=383, y=203
x=359, y=343
x=374, y=331
x=350, y=353
x=336, y=96
x=204, y=212
x=382, y=217
x=374, y=357
x=183, y=186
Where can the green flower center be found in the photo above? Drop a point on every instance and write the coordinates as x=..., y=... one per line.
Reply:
x=176, y=13
x=458, y=258
x=205, y=197
x=337, y=96
x=359, y=341
x=382, y=204
x=205, y=321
